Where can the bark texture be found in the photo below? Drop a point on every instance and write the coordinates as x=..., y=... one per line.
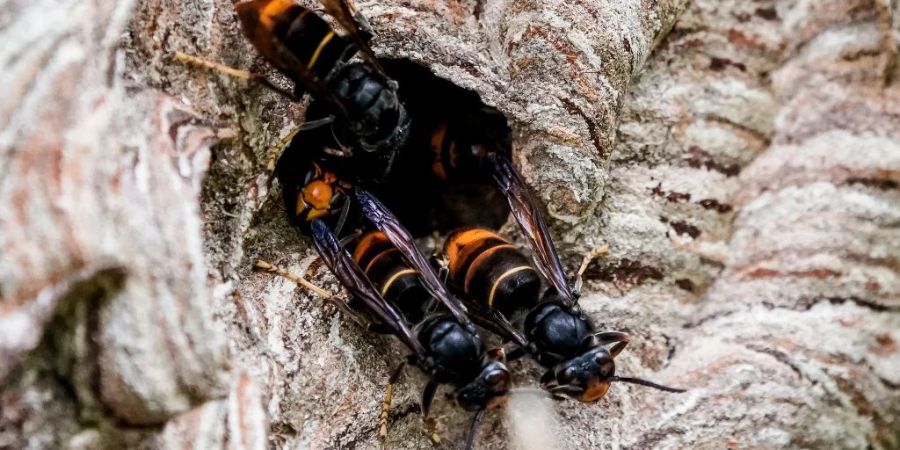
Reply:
x=100, y=236
x=741, y=159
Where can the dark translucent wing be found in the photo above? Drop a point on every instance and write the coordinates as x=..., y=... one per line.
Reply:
x=385, y=221
x=357, y=27
x=303, y=76
x=531, y=221
x=354, y=279
x=495, y=322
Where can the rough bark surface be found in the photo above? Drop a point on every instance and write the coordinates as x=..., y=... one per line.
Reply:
x=741, y=159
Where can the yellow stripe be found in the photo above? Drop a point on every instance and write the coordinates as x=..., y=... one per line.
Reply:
x=500, y=279
x=315, y=56
x=384, y=252
x=473, y=266
x=393, y=278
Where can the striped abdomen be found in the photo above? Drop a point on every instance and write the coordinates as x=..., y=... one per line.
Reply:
x=395, y=280
x=489, y=269
x=278, y=25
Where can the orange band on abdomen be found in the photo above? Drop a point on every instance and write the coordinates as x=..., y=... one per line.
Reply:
x=368, y=240
x=461, y=241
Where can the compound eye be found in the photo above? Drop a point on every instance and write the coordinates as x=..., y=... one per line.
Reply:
x=336, y=197
x=606, y=365
x=567, y=375
x=311, y=174
x=494, y=378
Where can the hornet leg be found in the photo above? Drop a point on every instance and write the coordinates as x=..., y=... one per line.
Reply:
x=350, y=237
x=325, y=295
x=386, y=405
x=274, y=152
x=232, y=72
x=342, y=219
x=429, y=423
x=585, y=262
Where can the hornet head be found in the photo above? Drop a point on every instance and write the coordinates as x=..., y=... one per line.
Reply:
x=587, y=377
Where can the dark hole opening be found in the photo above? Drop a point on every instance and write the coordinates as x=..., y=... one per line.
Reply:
x=446, y=117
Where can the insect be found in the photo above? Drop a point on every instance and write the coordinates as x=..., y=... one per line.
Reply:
x=302, y=45
x=444, y=345
x=562, y=338
x=371, y=126
x=392, y=250
x=495, y=278
x=398, y=283
x=367, y=122
x=315, y=186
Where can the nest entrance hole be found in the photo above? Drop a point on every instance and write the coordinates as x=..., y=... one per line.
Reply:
x=426, y=204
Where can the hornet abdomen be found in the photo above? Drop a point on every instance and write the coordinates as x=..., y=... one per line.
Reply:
x=283, y=29
x=491, y=270
x=395, y=280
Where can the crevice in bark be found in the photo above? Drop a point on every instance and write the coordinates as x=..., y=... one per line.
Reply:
x=782, y=358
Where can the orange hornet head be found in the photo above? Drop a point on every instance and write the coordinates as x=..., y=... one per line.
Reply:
x=587, y=377
x=317, y=197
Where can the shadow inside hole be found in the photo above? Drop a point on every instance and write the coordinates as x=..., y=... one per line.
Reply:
x=447, y=120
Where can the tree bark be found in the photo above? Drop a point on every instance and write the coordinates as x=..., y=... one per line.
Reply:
x=741, y=159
